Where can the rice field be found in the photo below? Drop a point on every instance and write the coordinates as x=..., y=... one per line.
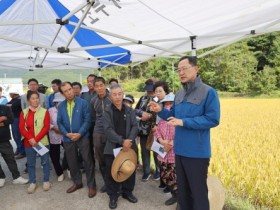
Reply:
x=246, y=149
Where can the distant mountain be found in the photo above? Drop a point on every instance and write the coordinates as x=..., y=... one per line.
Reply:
x=46, y=76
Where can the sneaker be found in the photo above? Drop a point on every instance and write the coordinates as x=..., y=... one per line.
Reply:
x=60, y=178
x=20, y=180
x=162, y=185
x=156, y=177
x=46, y=186
x=166, y=190
x=2, y=182
x=19, y=156
x=146, y=177
x=31, y=189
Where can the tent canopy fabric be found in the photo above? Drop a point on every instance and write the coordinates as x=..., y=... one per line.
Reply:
x=61, y=34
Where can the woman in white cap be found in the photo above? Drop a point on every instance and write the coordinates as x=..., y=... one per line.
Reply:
x=165, y=135
x=56, y=137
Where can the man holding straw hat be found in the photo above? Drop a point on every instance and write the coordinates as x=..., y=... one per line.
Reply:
x=120, y=125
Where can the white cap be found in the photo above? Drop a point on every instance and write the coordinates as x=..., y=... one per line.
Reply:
x=58, y=97
x=168, y=97
x=14, y=90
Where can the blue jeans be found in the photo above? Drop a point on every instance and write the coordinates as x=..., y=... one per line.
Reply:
x=31, y=164
x=17, y=136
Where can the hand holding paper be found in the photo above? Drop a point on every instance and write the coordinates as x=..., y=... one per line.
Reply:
x=40, y=149
x=116, y=151
x=158, y=148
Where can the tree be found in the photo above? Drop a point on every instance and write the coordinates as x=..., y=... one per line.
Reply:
x=265, y=49
x=164, y=69
x=228, y=69
x=263, y=82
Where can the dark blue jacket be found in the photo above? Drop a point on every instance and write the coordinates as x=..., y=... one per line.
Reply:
x=81, y=118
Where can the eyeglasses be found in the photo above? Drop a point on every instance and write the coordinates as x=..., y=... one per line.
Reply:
x=184, y=68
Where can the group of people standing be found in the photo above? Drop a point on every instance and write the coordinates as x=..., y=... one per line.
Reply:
x=91, y=125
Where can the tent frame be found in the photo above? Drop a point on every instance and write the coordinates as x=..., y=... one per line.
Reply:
x=127, y=41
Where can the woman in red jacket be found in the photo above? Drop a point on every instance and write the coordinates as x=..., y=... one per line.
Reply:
x=34, y=125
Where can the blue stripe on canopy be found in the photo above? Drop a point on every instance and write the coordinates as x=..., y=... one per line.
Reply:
x=90, y=38
x=5, y=4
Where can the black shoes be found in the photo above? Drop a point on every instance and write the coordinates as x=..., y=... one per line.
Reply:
x=113, y=203
x=171, y=201
x=103, y=189
x=166, y=190
x=130, y=197
x=162, y=185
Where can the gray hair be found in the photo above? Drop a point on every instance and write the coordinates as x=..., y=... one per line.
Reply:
x=116, y=86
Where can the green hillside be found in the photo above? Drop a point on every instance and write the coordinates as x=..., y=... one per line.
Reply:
x=46, y=76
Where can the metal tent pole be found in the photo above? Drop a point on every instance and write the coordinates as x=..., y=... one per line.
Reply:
x=79, y=23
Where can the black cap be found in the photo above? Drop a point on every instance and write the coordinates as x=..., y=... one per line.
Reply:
x=129, y=98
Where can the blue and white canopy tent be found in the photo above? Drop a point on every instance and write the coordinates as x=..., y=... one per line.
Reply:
x=62, y=34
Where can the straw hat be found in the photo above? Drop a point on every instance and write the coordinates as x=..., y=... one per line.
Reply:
x=124, y=165
x=216, y=193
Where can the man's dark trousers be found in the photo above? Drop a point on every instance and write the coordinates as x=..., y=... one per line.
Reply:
x=192, y=182
x=114, y=189
x=73, y=163
x=7, y=153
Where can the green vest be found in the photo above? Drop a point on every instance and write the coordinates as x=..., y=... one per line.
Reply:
x=38, y=123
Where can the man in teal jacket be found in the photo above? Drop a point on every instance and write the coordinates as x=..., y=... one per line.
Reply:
x=74, y=120
x=196, y=109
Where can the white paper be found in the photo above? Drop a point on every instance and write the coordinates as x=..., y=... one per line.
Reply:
x=116, y=151
x=41, y=149
x=158, y=148
x=155, y=99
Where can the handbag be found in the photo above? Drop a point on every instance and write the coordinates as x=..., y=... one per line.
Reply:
x=150, y=138
x=150, y=141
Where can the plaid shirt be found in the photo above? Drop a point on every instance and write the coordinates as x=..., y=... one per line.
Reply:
x=166, y=132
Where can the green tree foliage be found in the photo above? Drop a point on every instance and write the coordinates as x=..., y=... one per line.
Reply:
x=228, y=69
x=263, y=82
x=164, y=69
x=231, y=69
x=265, y=49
